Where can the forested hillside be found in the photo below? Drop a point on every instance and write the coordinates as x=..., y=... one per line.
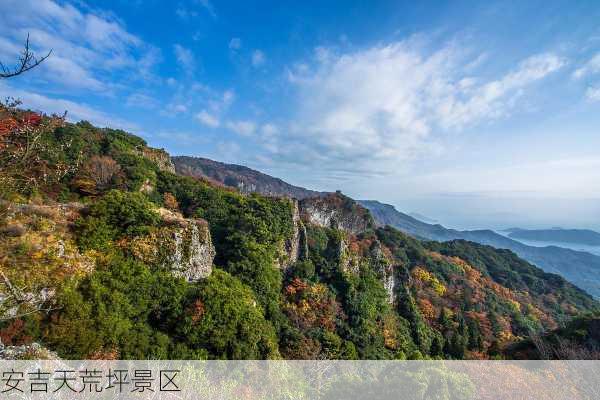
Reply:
x=105, y=252
x=579, y=267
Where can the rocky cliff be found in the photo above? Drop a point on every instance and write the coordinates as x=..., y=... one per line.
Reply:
x=37, y=252
x=159, y=157
x=181, y=245
x=296, y=247
x=336, y=211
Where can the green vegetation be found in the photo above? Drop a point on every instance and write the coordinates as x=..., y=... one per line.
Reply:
x=116, y=215
x=378, y=294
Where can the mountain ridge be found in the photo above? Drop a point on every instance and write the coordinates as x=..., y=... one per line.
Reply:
x=579, y=267
x=246, y=180
x=575, y=236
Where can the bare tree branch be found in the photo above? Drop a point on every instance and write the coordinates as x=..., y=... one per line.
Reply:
x=27, y=61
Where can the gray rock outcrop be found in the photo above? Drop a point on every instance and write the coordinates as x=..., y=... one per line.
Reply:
x=183, y=246
x=336, y=211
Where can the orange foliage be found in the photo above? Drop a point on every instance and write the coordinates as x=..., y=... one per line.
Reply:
x=311, y=305
x=14, y=334
x=104, y=354
x=196, y=311
x=427, y=309
x=485, y=326
x=170, y=202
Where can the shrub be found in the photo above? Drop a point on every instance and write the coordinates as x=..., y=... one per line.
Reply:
x=224, y=318
x=116, y=215
x=170, y=201
x=120, y=308
x=98, y=174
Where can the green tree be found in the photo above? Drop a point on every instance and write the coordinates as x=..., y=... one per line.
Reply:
x=223, y=317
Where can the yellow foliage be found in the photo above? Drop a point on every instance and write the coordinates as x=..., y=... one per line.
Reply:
x=430, y=280
x=515, y=305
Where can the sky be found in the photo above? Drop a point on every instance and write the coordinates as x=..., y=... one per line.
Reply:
x=476, y=114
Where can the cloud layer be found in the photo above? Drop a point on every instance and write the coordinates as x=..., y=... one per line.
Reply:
x=88, y=49
x=371, y=109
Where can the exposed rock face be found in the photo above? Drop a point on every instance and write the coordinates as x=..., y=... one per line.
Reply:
x=348, y=261
x=160, y=157
x=385, y=269
x=183, y=246
x=147, y=187
x=336, y=211
x=33, y=351
x=296, y=247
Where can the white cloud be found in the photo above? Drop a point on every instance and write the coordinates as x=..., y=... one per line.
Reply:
x=141, y=100
x=228, y=151
x=71, y=73
x=184, y=13
x=592, y=66
x=185, y=58
x=176, y=108
x=208, y=7
x=386, y=104
x=258, y=58
x=88, y=48
x=243, y=128
x=228, y=97
x=235, y=43
x=269, y=130
x=492, y=99
x=593, y=93
x=322, y=54
x=207, y=119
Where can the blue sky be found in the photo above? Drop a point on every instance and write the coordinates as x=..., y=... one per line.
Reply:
x=473, y=113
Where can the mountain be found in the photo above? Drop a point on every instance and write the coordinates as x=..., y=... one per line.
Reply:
x=581, y=268
x=423, y=218
x=576, y=236
x=107, y=253
x=244, y=179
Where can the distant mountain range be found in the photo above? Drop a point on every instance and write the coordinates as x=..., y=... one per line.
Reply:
x=576, y=236
x=579, y=267
x=245, y=179
x=423, y=218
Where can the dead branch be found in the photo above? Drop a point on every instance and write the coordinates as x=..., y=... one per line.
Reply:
x=27, y=61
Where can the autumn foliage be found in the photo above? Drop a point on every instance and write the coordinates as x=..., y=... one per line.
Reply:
x=310, y=305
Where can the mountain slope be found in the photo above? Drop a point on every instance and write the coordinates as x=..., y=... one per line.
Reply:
x=113, y=255
x=576, y=236
x=244, y=179
x=581, y=268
